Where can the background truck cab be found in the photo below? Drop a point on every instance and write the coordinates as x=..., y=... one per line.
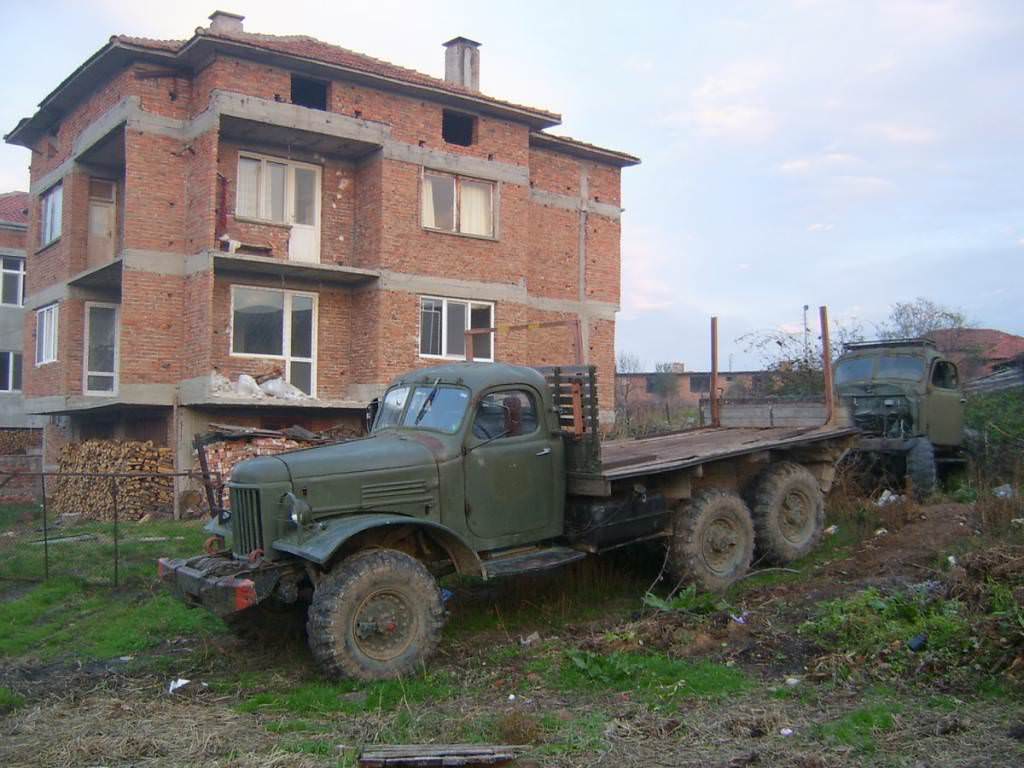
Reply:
x=905, y=397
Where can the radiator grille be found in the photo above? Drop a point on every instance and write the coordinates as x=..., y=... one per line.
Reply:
x=246, y=524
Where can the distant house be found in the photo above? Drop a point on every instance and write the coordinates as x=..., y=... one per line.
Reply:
x=686, y=388
x=978, y=351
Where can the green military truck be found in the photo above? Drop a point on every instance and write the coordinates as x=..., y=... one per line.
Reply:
x=489, y=470
x=905, y=397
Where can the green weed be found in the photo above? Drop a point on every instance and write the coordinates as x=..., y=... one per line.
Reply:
x=10, y=701
x=653, y=677
x=309, y=747
x=689, y=601
x=870, y=624
x=859, y=728
x=351, y=697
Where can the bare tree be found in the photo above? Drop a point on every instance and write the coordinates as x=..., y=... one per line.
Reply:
x=920, y=317
x=626, y=385
x=665, y=386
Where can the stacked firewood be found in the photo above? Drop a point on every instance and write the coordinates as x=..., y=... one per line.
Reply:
x=18, y=441
x=92, y=497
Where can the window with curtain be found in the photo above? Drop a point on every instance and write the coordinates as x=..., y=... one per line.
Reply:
x=443, y=326
x=458, y=204
x=51, y=209
x=10, y=371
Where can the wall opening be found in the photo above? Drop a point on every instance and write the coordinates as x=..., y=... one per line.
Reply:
x=457, y=128
x=309, y=93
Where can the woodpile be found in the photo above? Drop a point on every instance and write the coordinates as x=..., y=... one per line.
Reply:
x=136, y=496
x=18, y=441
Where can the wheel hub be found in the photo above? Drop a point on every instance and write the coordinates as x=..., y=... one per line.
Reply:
x=720, y=545
x=383, y=625
x=797, y=518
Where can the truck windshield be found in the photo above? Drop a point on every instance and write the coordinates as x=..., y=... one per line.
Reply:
x=855, y=369
x=900, y=367
x=442, y=412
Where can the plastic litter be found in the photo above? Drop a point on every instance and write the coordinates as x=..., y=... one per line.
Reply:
x=785, y=731
x=446, y=595
x=792, y=681
x=888, y=497
x=530, y=639
x=281, y=388
x=1004, y=492
x=881, y=532
x=246, y=385
x=832, y=530
x=918, y=643
x=741, y=619
x=177, y=683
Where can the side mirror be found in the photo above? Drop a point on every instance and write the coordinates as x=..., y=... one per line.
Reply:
x=371, y=413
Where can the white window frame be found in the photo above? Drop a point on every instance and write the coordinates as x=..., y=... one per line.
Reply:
x=7, y=387
x=21, y=278
x=49, y=351
x=286, y=337
x=263, y=203
x=51, y=209
x=471, y=304
x=457, y=180
x=116, y=373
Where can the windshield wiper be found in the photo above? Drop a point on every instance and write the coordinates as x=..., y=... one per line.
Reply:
x=426, y=403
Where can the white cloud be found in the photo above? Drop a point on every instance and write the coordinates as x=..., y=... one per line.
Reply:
x=902, y=133
x=820, y=227
x=1020, y=242
x=791, y=328
x=732, y=104
x=815, y=163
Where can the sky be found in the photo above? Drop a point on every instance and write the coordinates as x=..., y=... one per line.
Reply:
x=795, y=152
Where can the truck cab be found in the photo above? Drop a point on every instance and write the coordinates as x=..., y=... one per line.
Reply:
x=905, y=397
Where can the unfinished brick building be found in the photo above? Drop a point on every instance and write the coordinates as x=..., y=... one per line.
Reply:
x=239, y=202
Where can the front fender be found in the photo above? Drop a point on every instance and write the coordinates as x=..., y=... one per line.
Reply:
x=319, y=542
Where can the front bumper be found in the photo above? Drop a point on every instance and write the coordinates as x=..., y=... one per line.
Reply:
x=218, y=582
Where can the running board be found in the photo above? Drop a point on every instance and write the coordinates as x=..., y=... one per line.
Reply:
x=531, y=562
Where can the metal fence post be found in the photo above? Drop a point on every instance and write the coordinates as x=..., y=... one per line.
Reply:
x=46, y=538
x=113, y=494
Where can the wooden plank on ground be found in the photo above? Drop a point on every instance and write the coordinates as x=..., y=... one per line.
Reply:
x=466, y=755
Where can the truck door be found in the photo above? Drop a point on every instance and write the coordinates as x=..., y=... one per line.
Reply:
x=944, y=411
x=509, y=467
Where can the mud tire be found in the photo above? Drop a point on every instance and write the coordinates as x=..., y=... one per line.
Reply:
x=380, y=585
x=789, y=513
x=712, y=541
x=921, y=469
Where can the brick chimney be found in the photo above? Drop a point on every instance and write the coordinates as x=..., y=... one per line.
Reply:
x=222, y=21
x=462, y=62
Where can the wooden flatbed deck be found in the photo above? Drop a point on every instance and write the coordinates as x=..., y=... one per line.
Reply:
x=622, y=459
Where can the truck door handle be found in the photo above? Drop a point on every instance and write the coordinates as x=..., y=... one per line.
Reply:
x=543, y=452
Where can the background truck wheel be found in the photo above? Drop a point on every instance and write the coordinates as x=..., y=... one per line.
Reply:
x=713, y=540
x=789, y=512
x=269, y=623
x=921, y=468
x=377, y=615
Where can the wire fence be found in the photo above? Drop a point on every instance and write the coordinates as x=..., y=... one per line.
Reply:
x=37, y=545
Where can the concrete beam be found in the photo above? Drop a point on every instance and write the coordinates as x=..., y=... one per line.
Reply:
x=4, y=251
x=452, y=163
x=570, y=203
x=128, y=394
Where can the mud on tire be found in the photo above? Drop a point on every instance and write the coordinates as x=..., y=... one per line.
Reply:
x=377, y=615
x=921, y=469
x=712, y=541
x=789, y=512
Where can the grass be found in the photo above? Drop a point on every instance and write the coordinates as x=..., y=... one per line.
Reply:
x=13, y=515
x=653, y=678
x=64, y=617
x=870, y=624
x=859, y=729
x=9, y=700
x=352, y=697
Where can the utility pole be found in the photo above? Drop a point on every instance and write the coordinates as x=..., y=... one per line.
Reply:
x=807, y=337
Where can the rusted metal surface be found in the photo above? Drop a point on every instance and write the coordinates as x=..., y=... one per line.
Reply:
x=716, y=404
x=630, y=458
x=826, y=367
x=574, y=324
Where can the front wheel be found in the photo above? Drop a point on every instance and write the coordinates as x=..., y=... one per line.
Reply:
x=377, y=615
x=921, y=468
x=712, y=541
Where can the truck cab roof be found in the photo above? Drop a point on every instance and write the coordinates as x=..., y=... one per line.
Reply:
x=476, y=376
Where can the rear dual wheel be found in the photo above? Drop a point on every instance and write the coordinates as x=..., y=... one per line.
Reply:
x=789, y=512
x=713, y=540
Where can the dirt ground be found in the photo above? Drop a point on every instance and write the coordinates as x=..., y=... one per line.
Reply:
x=500, y=677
